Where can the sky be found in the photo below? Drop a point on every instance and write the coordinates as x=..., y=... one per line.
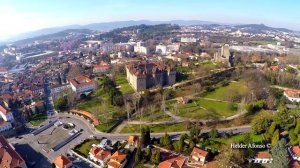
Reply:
x=18, y=16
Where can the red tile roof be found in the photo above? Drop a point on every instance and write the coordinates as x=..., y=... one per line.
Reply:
x=62, y=161
x=264, y=154
x=8, y=156
x=199, y=152
x=292, y=93
x=117, y=159
x=296, y=150
x=3, y=110
x=176, y=162
x=87, y=114
x=100, y=153
x=80, y=81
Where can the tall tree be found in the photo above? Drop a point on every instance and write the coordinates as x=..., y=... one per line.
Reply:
x=230, y=158
x=280, y=155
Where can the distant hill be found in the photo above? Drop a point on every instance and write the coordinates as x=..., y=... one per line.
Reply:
x=105, y=26
x=260, y=28
x=255, y=28
x=54, y=35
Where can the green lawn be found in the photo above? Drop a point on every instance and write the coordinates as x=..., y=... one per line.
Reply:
x=85, y=147
x=203, y=109
x=105, y=127
x=256, y=139
x=156, y=128
x=125, y=87
x=222, y=93
x=37, y=119
x=208, y=65
x=156, y=115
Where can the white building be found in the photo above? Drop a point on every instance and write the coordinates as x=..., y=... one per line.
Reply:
x=292, y=95
x=161, y=49
x=261, y=157
x=188, y=40
x=82, y=84
x=6, y=115
x=140, y=48
x=99, y=155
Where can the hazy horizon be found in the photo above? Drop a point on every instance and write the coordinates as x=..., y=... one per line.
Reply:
x=24, y=16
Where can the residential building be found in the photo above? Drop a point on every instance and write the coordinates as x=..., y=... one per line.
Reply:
x=100, y=155
x=175, y=162
x=117, y=160
x=6, y=115
x=132, y=141
x=161, y=49
x=4, y=126
x=294, y=152
x=292, y=95
x=182, y=100
x=198, y=157
x=188, y=40
x=48, y=97
x=261, y=157
x=140, y=48
x=102, y=68
x=62, y=162
x=9, y=158
x=145, y=75
x=82, y=84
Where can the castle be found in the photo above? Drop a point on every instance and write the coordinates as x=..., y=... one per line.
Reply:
x=143, y=75
x=224, y=56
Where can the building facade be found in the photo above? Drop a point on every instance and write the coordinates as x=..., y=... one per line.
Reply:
x=48, y=97
x=81, y=84
x=8, y=156
x=143, y=76
x=292, y=95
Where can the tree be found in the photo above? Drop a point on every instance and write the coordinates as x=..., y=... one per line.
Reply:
x=147, y=135
x=280, y=155
x=275, y=137
x=179, y=145
x=166, y=141
x=284, y=118
x=213, y=133
x=148, y=154
x=230, y=158
x=61, y=103
x=138, y=156
x=271, y=129
x=261, y=122
x=194, y=132
x=155, y=158
x=143, y=137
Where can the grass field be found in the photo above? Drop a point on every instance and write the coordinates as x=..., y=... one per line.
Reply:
x=37, y=119
x=125, y=87
x=156, y=128
x=105, y=127
x=256, y=139
x=85, y=147
x=222, y=93
x=156, y=115
x=201, y=108
x=208, y=65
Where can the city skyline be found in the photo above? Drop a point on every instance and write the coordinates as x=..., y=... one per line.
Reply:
x=25, y=16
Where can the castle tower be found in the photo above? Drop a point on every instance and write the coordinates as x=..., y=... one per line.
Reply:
x=48, y=97
x=225, y=51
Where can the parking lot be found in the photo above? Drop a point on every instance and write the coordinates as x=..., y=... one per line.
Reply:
x=51, y=137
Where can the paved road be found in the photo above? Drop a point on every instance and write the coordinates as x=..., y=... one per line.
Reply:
x=30, y=141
